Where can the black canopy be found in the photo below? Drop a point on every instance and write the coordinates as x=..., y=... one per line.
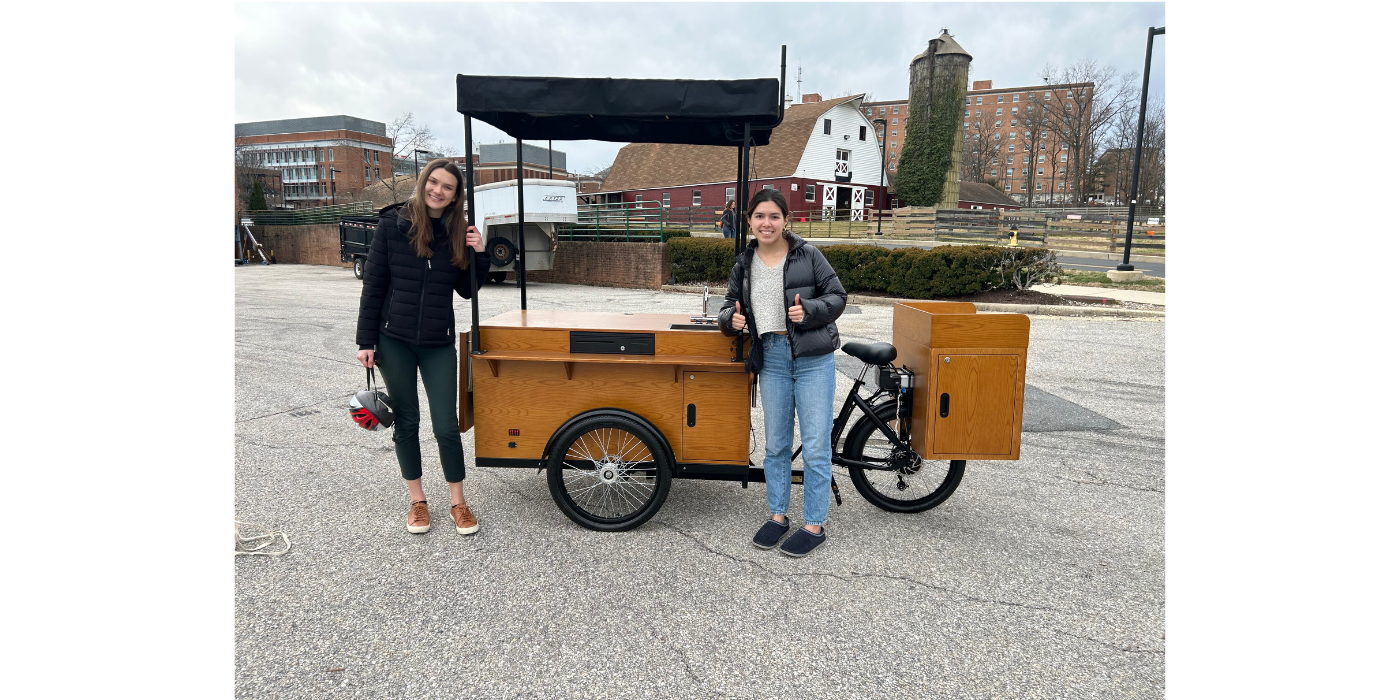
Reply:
x=700, y=112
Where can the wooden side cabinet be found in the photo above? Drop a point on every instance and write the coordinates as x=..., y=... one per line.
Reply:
x=715, y=419
x=975, y=399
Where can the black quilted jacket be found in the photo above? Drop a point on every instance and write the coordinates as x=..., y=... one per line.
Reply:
x=805, y=272
x=407, y=297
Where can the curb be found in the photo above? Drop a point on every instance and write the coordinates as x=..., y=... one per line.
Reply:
x=1031, y=309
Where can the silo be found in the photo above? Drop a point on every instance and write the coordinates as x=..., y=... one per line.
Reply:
x=950, y=64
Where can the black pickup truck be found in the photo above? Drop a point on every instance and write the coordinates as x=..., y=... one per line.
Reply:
x=356, y=232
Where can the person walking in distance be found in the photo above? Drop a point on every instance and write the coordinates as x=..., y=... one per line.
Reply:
x=417, y=259
x=727, y=219
x=784, y=294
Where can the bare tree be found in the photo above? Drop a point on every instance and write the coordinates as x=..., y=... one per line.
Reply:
x=980, y=149
x=246, y=171
x=1080, y=115
x=1035, y=135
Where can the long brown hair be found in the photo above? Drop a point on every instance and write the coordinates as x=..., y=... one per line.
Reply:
x=454, y=217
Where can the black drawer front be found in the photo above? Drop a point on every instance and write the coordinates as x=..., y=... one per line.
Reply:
x=612, y=343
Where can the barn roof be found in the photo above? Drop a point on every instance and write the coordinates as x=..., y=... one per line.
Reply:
x=647, y=165
x=982, y=193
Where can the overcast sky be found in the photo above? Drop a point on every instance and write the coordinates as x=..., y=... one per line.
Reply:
x=377, y=61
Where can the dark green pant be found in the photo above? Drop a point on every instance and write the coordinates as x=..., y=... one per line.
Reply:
x=399, y=363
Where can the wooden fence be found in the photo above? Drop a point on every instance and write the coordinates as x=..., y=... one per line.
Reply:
x=1099, y=232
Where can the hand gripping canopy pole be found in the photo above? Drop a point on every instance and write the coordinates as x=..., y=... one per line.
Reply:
x=740, y=113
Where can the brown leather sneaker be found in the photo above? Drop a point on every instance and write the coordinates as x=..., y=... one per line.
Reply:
x=418, y=517
x=466, y=522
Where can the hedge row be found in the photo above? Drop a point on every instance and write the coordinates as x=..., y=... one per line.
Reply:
x=914, y=273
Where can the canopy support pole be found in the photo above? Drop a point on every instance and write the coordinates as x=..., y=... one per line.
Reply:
x=520, y=219
x=471, y=252
x=746, y=161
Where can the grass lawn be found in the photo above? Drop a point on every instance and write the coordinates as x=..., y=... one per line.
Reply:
x=1084, y=278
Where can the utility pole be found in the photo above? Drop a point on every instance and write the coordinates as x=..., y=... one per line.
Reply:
x=1137, y=158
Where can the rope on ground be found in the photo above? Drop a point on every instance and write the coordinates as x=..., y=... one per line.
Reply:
x=247, y=546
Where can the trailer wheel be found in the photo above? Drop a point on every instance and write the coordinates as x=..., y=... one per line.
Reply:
x=609, y=473
x=359, y=268
x=917, y=485
x=501, y=250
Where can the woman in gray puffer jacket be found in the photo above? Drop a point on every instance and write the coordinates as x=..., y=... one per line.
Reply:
x=784, y=294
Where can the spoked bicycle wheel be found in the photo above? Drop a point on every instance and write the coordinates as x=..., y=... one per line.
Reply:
x=609, y=473
x=914, y=484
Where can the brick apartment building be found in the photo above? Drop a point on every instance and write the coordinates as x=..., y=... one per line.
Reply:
x=998, y=116
x=308, y=150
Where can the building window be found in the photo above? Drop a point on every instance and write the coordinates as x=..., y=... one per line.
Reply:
x=1038, y=185
x=1040, y=171
x=1064, y=158
x=1001, y=98
x=665, y=199
x=1024, y=171
x=1014, y=110
x=998, y=124
x=1023, y=187
x=996, y=136
x=843, y=154
x=979, y=112
x=826, y=126
x=1042, y=133
x=862, y=133
x=323, y=172
x=1011, y=149
x=365, y=154
x=376, y=173
x=332, y=157
x=964, y=125
x=882, y=110
x=894, y=132
x=1040, y=158
x=1016, y=98
x=1025, y=159
x=366, y=173
x=969, y=101
x=695, y=198
x=894, y=109
x=1042, y=147
x=967, y=113
x=812, y=191
x=979, y=99
x=639, y=198
x=333, y=172
x=1013, y=122
x=728, y=195
x=998, y=111
x=895, y=121
x=869, y=112
x=376, y=157
x=1062, y=170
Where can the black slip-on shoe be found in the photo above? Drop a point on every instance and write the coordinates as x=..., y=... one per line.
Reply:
x=802, y=543
x=768, y=535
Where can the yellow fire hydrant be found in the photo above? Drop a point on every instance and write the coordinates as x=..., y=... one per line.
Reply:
x=1012, y=244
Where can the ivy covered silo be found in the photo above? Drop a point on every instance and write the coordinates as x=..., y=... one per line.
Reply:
x=932, y=155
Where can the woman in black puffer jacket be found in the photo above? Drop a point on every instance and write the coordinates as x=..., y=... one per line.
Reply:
x=418, y=257
x=784, y=293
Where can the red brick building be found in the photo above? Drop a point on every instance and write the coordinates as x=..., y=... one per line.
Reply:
x=823, y=158
x=307, y=151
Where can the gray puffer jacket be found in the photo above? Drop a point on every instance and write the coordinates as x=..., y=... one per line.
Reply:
x=805, y=272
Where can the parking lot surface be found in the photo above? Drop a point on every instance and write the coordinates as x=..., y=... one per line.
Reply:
x=1039, y=578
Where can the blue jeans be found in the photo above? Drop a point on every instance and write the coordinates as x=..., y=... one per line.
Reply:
x=728, y=232
x=810, y=383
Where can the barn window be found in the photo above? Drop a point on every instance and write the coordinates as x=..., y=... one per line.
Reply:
x=811, y=193
x=639, y=198
x=862, y=133
x=665, y=199
x=826, y=126
x=728, y=195
x=695, y=198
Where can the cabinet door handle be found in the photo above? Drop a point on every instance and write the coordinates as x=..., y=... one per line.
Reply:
x=690, y=415
x=943, y=406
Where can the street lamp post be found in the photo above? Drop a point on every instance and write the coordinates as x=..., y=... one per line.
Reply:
x=884, y=196
x=416, y=151
x=1137, y=159
x=333, y=172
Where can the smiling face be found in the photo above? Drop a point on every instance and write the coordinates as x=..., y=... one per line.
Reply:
x=767, y=223
x=439, y=191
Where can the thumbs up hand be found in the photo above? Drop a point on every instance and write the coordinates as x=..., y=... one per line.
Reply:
x=795, y=312
x=738, y=321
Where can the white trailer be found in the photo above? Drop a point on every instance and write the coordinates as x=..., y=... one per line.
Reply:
x=548, y=203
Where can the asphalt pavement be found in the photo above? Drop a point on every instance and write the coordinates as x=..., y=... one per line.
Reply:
x=1039, y=578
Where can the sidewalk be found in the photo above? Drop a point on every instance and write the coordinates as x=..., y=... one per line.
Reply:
x=1133, y=295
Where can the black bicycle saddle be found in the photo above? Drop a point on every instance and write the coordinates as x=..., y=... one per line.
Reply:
x=871, y=353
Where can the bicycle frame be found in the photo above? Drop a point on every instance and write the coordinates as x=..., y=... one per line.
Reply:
x=838, y=426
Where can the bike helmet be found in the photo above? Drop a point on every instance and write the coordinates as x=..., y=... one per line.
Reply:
x=371, y=409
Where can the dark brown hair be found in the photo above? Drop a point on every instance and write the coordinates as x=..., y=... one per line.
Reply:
x=767, y=195
x=454, y=217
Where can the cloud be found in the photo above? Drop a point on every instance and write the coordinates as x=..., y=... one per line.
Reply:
x=377, y=61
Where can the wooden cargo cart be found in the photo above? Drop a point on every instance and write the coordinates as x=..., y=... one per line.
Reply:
x=614, y=406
